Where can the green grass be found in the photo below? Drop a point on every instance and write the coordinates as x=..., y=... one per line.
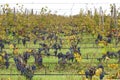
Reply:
x=43, y=77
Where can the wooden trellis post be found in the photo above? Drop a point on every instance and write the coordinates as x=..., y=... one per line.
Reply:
x=115, y=16
x=114, y=22
x=31, y=11
x=101, y=18
x=14, y=18
x=111, y=22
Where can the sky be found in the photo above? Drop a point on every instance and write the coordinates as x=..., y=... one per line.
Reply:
x=63, y=7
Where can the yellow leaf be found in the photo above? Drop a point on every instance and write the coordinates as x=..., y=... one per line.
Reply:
x=11, y=46
x=98, y=72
